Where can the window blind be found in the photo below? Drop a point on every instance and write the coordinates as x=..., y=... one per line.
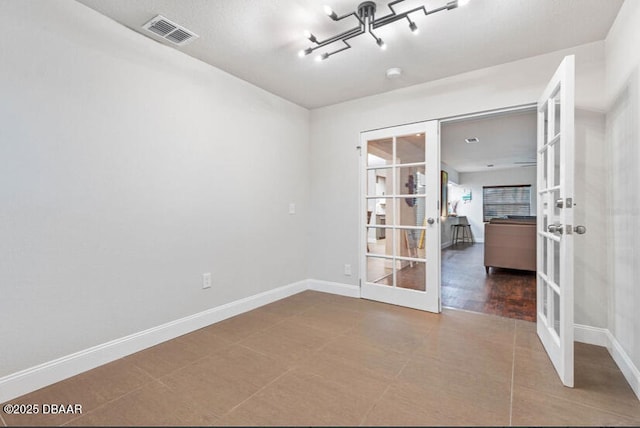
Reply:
x=501, y=201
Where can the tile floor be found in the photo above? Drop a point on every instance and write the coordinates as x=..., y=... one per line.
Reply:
x=320, y=359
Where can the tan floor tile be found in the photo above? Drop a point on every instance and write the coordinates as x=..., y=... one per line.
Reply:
x=332, y=319
x=385, y=330
x=348, y=373
x=290, y=306
x=287, y=341
x=468, y=325
x=90, y=389
x=152, y=405
x=168, y=356
x=472, y=355
x=359, y=351
x=596, y=385
x=527, y=336
x=239, y=327
x=206, y=340
x=223, y=380
x=301, y=399
x=443, y=404
x=533, y=408
x=402, y=314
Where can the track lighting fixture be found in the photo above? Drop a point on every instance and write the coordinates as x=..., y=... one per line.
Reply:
x=367, y=23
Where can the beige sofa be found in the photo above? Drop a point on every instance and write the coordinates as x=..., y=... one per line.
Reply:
x=510, y=243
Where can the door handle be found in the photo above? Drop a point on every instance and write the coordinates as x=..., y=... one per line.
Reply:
x=580, y=230
x=430, y=220
x=555, y=228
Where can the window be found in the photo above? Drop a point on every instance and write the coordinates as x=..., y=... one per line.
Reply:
x=501, y=201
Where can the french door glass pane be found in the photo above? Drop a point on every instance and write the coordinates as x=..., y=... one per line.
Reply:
x=556, y=262
x=544, y=257
x=410, y=149
x=410, y=211
x=411, y=180
x=379, y=211
x=411, y=275
x=379, y=182
x=379, y=270
x=557, y=118
x=380, y=241
x=556, y=313
x=380, y=152
x=545, y=300
x=412, y=243
x=556, y=163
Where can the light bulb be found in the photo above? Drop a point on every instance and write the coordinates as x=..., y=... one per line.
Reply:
x=330, y=13
x=307, y=34
x=463, y=2
x=305, y=52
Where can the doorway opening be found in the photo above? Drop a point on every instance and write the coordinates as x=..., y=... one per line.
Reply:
x=489, y=232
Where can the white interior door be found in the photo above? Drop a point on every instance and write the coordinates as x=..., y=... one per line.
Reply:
x=555, y=219
x=400, y=223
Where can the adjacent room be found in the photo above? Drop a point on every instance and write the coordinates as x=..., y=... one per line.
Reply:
x=243, y=212
x=490, y=161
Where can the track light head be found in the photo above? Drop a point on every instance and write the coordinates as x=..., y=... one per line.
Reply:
x=305, y=52
x=414, y=28
x=382, y=44
x=310, y=36
x=330, y=13
x=322, y=57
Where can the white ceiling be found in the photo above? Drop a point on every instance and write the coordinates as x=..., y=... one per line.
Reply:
x=258, y=40
x=505, y=139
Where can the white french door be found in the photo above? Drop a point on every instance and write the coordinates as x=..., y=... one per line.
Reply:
x=555, y=219
x=400, y=223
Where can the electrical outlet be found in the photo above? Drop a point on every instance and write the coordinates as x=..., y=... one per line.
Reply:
x=292, y=208
x=347, y=270
x=206, y=280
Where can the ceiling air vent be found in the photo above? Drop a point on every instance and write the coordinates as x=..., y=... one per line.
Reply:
x=170, y=31
x=473, y=140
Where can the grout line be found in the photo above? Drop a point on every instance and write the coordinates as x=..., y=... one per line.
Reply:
x=513, y=371
x=375, y=402
x=373, y=405
x=3, y=421
x=258, y=391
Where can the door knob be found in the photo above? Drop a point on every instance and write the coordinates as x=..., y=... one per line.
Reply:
x=555, y=228
x=430, y=220
x=580, y=230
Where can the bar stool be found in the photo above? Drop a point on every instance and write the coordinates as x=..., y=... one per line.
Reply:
x=463, y=224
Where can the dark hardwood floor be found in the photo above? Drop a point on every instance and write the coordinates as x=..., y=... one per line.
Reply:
x=466, y=285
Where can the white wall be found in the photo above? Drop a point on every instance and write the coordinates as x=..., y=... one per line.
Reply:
x=335, y=135
x=127, y=169
x=503, y=177
x=623, y=148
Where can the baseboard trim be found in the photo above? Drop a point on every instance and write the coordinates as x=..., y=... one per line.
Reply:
x=334, y=288
x=628, y=369
x=31, y=379
x=603, y=337
x=591, y=335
